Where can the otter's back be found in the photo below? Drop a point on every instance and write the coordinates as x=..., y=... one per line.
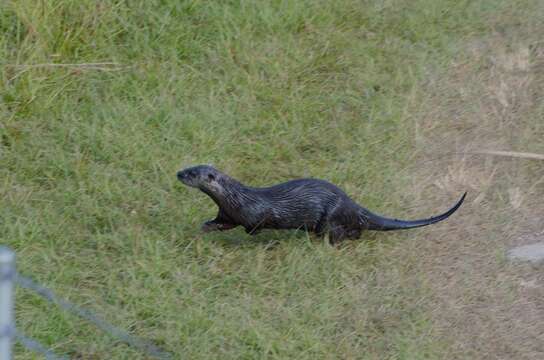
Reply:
x=301, y=202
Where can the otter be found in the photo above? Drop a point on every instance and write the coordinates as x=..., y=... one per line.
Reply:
x=311, y=204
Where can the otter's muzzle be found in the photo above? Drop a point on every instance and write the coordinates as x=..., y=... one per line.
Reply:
x=187, y=176
x=181, y=175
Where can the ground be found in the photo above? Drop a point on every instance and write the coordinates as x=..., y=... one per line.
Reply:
x=394, y=101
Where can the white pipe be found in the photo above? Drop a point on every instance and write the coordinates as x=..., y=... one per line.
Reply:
x=7, y=323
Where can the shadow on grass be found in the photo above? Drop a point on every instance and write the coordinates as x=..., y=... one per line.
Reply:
x=270, y=239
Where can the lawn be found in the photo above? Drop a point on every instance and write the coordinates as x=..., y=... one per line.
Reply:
x=101, y=102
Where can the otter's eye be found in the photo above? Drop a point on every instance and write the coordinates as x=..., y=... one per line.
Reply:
x=211, y=177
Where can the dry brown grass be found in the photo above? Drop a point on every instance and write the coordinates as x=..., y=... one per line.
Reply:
x=484, y=306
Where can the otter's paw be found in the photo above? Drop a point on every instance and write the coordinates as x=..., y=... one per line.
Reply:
x=209, y=226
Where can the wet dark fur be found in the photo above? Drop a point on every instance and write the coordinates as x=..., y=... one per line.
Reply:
x=311, y=204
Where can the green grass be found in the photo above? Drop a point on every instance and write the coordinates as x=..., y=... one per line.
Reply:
x=266, y=91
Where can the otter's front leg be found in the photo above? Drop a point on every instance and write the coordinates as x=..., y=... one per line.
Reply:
x=214, y=225
x=221, y=223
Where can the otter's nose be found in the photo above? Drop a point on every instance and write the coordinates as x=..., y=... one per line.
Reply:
x=180, y=174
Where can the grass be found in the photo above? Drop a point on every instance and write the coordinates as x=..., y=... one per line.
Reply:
x=345, y=91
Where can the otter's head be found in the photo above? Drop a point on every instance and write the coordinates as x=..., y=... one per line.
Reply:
x=203, y=177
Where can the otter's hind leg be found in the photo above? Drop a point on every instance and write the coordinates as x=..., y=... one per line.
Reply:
x=337, y=233
x=341, y=226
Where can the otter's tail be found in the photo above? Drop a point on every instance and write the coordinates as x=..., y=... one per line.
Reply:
x=376, y=222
